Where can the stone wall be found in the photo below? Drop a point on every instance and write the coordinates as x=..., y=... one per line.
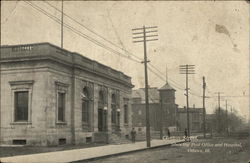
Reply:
x=35, y=81
x=36, y=68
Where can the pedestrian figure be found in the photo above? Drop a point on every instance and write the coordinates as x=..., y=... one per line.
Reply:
x=133, y=135
x=168, y=134
x=185, y=132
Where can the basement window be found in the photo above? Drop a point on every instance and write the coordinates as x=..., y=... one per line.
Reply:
x=19, y=142
x=88, y=139
x=61, y=141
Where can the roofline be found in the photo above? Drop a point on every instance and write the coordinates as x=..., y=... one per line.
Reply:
x=72, y=53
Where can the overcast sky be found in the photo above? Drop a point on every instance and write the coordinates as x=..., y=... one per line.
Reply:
x=187, y=35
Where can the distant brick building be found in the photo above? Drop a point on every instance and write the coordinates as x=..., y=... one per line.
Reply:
x=51, y=96
x=161, y=114
x=138, y=109
x=163, y=111
x=195, y=119
x=169, y=107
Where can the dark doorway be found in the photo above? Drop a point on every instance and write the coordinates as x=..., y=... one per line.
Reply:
x=102, y=113
x=100, y=120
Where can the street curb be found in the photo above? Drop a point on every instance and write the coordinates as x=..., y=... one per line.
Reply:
x=122, y=153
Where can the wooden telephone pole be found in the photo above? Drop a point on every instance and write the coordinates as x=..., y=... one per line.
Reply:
x=204, y=109
x=227, y=120
x=187, y=69
x=141, y=34
x=219, y=114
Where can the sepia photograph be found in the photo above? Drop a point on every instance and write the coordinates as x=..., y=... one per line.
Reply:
x=125, y=81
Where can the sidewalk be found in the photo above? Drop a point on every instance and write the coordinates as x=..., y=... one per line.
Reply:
x=87, y=153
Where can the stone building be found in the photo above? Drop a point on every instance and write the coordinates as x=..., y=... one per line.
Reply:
x=51, y=96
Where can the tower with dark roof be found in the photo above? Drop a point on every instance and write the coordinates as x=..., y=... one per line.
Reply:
x=169, y=107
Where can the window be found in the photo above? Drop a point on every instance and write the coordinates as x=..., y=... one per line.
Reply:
x=19, y=142
x=125, y=113
x=113, y=109
x=196, y=126
x=85, y=111
x=195, y=117
x=62, y=141
x=21, y=97
x=101, y=100
x=88, y=139
x=85, y=106
x=139, y=112
x=61, y=95
x=61, y=107
x=102, y=110
x=21, y=105
x=118, y=119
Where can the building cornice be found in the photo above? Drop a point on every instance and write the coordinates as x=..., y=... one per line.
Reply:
x=43, y=51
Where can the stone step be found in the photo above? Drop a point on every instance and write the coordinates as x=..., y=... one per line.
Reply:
x=116, y=139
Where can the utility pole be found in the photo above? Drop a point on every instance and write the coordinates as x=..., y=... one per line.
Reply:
x=141, y=34
x=0, y=73
x=161, y=121
x=219, y=110
x=227, y=119
x=204, y=109
x=187, y=69
x=62, y=27
x=219, y=116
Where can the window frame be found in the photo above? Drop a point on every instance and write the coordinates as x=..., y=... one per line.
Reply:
x=17, y=117
x=85, y=112
x=21, y=86
x=113, y=109
x=86, y=108
x=126, y=120
x=61, y=88
x=126, y=115
x=64, y=106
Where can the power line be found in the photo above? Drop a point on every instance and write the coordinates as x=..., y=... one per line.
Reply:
x=168, y=77
x=98, y=43
x=187, y=69
x=90, y=30
x=79, y=32
x=12, y=12
x=62, y=26
x=104, y=38
x=175, y=84
x=85, y=36
x=163, y=79
x=144, y=38
x=229, y=96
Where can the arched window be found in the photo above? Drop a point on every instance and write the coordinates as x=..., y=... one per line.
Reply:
x=113, y=107
x=85, y=106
